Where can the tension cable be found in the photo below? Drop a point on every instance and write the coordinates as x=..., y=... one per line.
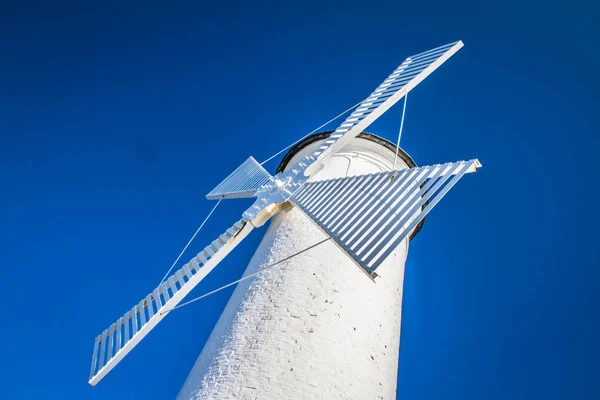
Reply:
x=400, y=132
x=245, y=277
x=190, y=241
x=310, y=133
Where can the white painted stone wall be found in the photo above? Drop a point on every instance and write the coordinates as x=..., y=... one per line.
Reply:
x=314, y=327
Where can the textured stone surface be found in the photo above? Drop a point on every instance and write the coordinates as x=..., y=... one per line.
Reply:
x=313, y=327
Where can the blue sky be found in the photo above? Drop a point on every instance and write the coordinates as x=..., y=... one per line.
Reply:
x=116, y=120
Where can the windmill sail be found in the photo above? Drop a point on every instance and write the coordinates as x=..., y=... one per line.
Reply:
x=243, y=182
x=369, y=215
x=404, y=78
x=123, y=335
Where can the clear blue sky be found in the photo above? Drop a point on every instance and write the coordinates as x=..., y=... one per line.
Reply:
x=115, y=121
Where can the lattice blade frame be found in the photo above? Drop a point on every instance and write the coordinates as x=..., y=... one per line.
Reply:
x=368, y=216
x=406, y=77
x=241, y=183
x=114, y=343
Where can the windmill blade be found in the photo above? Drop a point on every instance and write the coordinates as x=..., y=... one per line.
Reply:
x=242, y=182
x=369, y=215
x=404, y=78
x=123, y=335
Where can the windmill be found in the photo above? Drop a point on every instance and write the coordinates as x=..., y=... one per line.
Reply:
x=367, y=216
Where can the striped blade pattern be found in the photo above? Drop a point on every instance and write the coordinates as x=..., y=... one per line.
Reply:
x=368, y=216
x=242, y=182
x=404, y=78
x=127, y=331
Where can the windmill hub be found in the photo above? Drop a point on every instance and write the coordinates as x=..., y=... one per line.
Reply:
x=281, y=183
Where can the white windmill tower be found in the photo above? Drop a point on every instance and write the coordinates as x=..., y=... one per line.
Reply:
x=309, y=324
